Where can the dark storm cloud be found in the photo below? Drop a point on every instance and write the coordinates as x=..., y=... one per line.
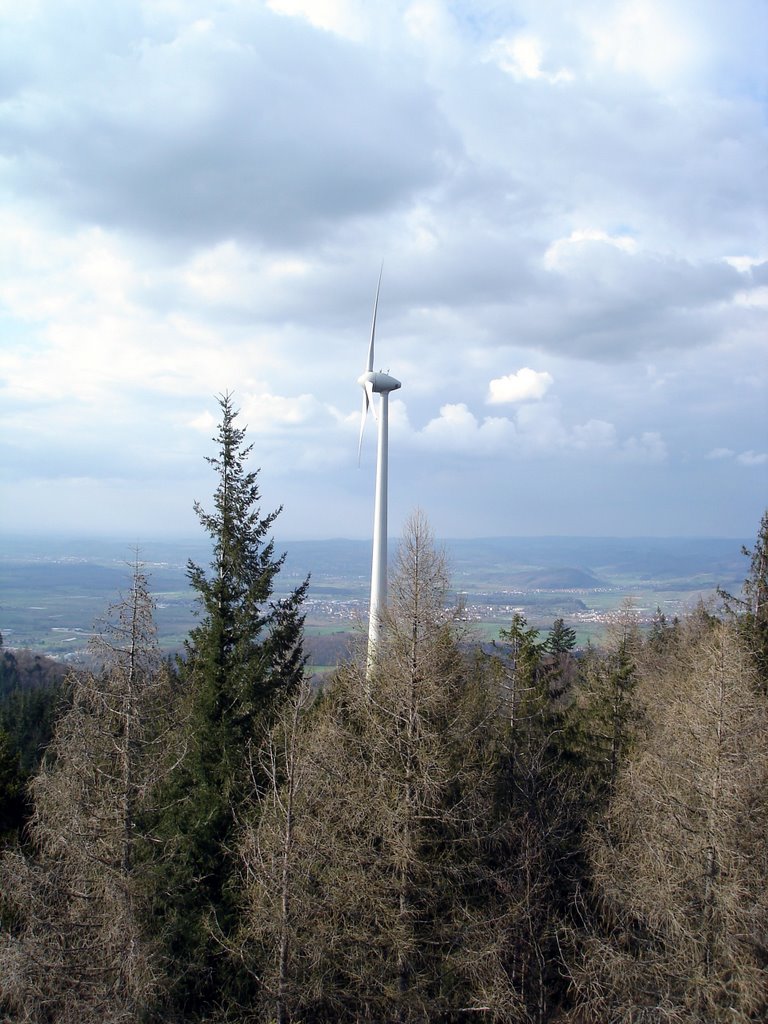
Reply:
x=617, y=305
x=250, y=126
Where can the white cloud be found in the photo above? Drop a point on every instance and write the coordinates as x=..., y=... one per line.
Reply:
x=721, y=453
x=744, y=263
x=521, y=56
x=562, y=250
x=646, y=38
x=649, y=447
x=339, y=16
x=525, y=385
x=430, y=23
x=752, y=297
x=536, y=431
x=747, y=458
x=264, y=412
x=457, y=429
x=205, y=423
x=751, y=458
x=594, y=435
x=231, y=273
x=542, y=429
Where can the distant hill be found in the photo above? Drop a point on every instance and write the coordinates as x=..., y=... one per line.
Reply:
x=652, y=557
x=52, y=590
x=558, y=579
x=647, y=557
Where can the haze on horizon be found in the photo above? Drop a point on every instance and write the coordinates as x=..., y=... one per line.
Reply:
x=570, y=205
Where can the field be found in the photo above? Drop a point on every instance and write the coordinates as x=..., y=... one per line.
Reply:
x=54, y=591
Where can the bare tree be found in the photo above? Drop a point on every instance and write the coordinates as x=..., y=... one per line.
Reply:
x=272, y=855
x=377, y=886
x=680, y=863
x=76, y=950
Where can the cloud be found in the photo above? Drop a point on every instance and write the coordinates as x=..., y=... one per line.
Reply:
x=457, y=429
x=560, y=252
x=721, y=453
x=747, y=458
x=537, y=431
x=266, y=413
x=339, y=16
x=649, y=447
x=751, y=458
x=595, y=435
x=522, y=55
x=617, y=300
x=233, y=275
x=525, y=385
x=196, y=198
x=205, y=108
x=645, y=38
x=205, y=422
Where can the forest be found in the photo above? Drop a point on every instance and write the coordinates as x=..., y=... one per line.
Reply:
x=441, y=832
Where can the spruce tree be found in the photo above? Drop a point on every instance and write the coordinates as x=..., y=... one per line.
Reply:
x=541, y=794
x=12, y=803
x=241, y=662
x=525, y=696
x=755, y=603
x=561, y=639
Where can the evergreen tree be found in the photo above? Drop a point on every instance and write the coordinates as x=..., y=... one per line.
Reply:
x=755, y=602
x=560, y=665
x=12, y=803
x=751, y=608
x=561, y=639
x=607, y=711
x=32, y=695
x=543, y=797
x=659, y=631
x=241, y=662
x=522, y=677
x=593, y=735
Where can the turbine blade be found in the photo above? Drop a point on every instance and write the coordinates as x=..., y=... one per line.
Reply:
x=369, y=365
x=369, y=396
x=363, y=418
x=367, y=386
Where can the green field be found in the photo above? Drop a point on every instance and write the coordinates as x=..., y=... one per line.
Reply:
x=53, y=593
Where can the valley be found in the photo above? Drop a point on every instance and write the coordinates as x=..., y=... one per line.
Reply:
x=54, y=590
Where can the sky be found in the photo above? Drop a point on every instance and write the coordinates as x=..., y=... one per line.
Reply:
x=569, y=200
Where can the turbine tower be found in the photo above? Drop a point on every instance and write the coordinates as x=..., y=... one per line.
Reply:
x=377, y=383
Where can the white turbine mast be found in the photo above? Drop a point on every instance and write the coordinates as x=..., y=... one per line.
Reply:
x=377, y=383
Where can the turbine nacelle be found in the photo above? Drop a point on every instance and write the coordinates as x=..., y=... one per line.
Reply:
x=378, y=383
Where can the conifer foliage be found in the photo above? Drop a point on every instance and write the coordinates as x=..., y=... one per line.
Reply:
x=242, y=660
x=755, y=603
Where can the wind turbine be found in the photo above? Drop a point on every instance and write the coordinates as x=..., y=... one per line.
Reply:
x=377, y=383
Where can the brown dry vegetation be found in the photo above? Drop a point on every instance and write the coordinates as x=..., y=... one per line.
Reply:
x=442, y=835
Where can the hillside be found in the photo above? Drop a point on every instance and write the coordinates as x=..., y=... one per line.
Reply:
x=53, y=590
